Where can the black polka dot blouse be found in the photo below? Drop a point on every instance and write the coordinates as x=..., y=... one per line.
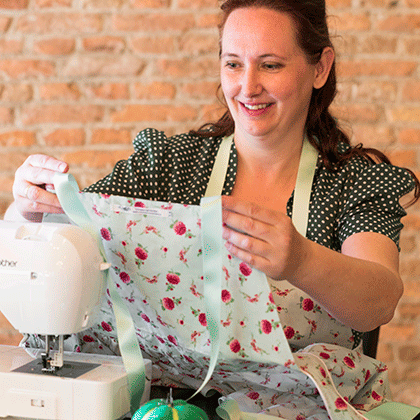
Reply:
x=359, y=197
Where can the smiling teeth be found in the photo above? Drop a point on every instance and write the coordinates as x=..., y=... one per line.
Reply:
x=255, y=107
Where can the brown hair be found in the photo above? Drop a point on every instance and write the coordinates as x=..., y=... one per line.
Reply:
x=313, y=37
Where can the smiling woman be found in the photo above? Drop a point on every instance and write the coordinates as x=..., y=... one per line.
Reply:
x=266, y=77
x=327, y=285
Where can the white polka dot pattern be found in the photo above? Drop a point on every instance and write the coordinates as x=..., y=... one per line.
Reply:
x=359, y=197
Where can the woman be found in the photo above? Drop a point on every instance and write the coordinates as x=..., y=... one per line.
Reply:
x=278, y=80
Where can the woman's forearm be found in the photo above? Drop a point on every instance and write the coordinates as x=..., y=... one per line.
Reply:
x=361, y=293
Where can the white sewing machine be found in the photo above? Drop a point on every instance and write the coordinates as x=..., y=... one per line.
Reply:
x=51, y=283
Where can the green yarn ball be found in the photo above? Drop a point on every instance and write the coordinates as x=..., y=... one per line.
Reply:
x=163, y=410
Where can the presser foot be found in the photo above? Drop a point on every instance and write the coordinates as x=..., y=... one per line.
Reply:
x=50, y=364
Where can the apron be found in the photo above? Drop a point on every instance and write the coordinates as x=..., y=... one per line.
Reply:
x=208, y=320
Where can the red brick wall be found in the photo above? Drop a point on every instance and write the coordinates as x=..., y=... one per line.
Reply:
x=78, y=80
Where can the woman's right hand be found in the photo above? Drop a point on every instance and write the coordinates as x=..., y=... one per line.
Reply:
x=33, y=184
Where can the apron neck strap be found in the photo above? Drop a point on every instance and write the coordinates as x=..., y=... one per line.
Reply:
x=302, y=193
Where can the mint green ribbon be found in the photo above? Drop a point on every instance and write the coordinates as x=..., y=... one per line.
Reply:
x=212, y=243
x=393, y=411
x=68, y=194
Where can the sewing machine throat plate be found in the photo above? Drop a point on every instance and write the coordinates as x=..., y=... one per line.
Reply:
x=68, y=370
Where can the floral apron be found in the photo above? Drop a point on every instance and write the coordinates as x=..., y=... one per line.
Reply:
x=156, y=251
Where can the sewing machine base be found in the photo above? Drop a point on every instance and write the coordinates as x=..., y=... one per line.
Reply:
x=68, y=370
x=98, y=393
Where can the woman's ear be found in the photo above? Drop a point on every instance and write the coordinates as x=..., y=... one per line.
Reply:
x=323, y=67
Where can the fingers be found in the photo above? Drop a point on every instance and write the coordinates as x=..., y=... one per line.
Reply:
x=263, y=238
x=249, y=209
x=32, y=185
x=40, y=169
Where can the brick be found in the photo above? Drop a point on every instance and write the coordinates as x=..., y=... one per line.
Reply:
x=407, y=243
x=393, y=68
x=405, y=114
x=14, y=4
x=187, y=67
x=153, y=44
x=41, y=114
x=211, y=113
x=357, y=112
x=197, y=4
x=6, y=115
x=385, y=352
x=133, y=113
x=11, y=46
x=63, y=137
x=409, y=311
x=63, y=23
x=114, y=44
x=16, y=69
x=208, y=20
x=337, y=4
x=149, y=4
x=110, y=91
x=95, y=158
x=412, y=288
x=58, y=91
x=409, y=353
x=346, y=46
x=111, y=136
x=155, y=22
x=411, y=46
x=10, y=161
x=412, y=221
x=410, y=268
x=103, y=4
x=407, y=392
x=4, y=23
x=411, y=91
x=345, y=91
x=373, y=135
x=53, y=3
x=375, y=91
x=377, y=44
x=55, y=46
x=399, y=23
x=200, y=44
x=90, y=65
x=409, y=136
x=16, y=92
x=200, y=90
x=347, y=21
x=17, y=138
x=154, y=90
x=377, y=3
x=404, y=158
x=6, y=184
x=393, y=333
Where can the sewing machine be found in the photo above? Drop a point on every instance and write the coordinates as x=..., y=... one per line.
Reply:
x=52, y=281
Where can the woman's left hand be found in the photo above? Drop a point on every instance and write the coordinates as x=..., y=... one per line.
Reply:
x=263, y=238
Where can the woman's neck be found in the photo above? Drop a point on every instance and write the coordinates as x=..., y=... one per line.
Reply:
x=266, y=174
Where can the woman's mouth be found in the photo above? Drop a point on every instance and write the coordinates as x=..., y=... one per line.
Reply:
x=255, y=109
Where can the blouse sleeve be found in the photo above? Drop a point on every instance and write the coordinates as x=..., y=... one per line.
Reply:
x=373, y=202
x=140, y=175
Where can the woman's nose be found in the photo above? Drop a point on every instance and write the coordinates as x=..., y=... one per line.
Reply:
x=251, y=82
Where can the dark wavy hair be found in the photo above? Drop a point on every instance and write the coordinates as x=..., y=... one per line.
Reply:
x=312, y=34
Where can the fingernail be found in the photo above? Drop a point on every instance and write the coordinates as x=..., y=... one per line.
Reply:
x=62, y=167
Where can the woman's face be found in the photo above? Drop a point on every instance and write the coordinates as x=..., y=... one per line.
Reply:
x=265, y=76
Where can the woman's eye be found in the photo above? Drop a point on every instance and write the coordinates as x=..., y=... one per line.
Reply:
x=272, y=66
x=231, y=65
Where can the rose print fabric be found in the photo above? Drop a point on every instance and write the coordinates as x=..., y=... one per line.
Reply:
x=155, y=251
